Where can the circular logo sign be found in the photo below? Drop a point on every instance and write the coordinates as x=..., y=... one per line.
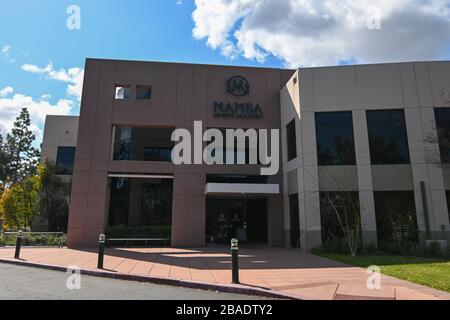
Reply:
x=238, y=87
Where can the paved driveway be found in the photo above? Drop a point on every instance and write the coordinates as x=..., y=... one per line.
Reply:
x=281, y=269
x=23, y=283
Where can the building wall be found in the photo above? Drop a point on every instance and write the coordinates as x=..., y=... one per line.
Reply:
x=181, y=94
x=59, y=131
x=415, y=87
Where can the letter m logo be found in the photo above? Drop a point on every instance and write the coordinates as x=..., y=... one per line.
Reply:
x=238, y=87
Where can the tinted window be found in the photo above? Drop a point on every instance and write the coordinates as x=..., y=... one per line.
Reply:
x=291, y=140
x=339, y=212
x=65, y=160
x=122, y=92
x=335, y=140
x=143, y=144
x=443, y=130
x=140, y=208
x=158, y=154
x=143, y=92
x=387, y=137
x=396, y=218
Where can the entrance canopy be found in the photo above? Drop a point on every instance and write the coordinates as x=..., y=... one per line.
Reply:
x=223, y=189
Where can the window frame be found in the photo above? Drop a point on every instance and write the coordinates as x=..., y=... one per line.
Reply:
x=347, y=162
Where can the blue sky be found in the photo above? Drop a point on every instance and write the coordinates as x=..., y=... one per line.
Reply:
x=35, y=32
x=237, y=32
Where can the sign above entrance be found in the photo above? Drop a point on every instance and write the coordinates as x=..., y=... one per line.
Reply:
x=238, y=87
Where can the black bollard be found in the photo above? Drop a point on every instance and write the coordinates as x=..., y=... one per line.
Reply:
x=18, y=244
x=101, y=250
x=235, y=259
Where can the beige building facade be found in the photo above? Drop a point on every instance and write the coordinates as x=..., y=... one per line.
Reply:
x=376, y=134
x=378, y=101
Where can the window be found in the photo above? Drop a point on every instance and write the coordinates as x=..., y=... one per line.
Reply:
x=442, y=116
x=123, y=92
x=387, y=137
x=158, y=154
x=291, y=141
x=238, y=155
x=396, y=218
x=65, y=160
x=140, y=208
x=335, y=139
x=295, y=221
x=143, y=92
x=339, y=214
x=143, y=144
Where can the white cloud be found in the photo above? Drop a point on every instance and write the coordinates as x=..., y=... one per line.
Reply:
x=73, y=77
x=6, y=49
x=326, y=32
x=10, y=107
x=6, y=52
x=6, y=91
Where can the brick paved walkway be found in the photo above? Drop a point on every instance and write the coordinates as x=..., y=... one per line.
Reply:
x=279, y=269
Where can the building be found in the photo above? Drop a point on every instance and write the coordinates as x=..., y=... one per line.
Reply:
x=58, y=147
x=375, y=134
x=124, y=182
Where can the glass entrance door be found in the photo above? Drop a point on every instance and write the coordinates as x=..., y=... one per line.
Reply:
x=226, y=219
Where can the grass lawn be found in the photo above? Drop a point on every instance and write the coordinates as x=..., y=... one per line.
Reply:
x=430, y=272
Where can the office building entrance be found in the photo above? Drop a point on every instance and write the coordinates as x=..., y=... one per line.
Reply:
x=244, y=219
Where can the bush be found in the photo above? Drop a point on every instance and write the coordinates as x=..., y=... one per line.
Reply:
x=34, y=240
x=371, y=248
x=419, y=250
x=447, y=251
x=435, y=250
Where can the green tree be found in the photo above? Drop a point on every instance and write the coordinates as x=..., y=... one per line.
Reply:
x=21, y=157
x=3, y=163
x=53, y=197
x=18, y=204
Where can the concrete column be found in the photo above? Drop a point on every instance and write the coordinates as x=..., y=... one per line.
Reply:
x=365, y=183
x=426, y=167
x=309, y=198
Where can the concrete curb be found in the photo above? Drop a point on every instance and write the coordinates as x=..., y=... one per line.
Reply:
x=234, y=289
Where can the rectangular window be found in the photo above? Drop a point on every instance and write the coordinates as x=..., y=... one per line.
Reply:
x=291, y=140
x=143, y=144
x=340, y=215
x=295, y=221
x=387, y=137
x=143, y=92
x=122, y=92
x=158, y=154
x=442, y=116
x=140, y=208
x=396, y=219
x=335, y=139
x=250, y=152
x=65, y=160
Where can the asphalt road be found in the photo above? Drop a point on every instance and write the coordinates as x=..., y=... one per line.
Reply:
x=23, y=283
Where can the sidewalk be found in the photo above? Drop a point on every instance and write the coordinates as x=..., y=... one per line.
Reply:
x=280, y=270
